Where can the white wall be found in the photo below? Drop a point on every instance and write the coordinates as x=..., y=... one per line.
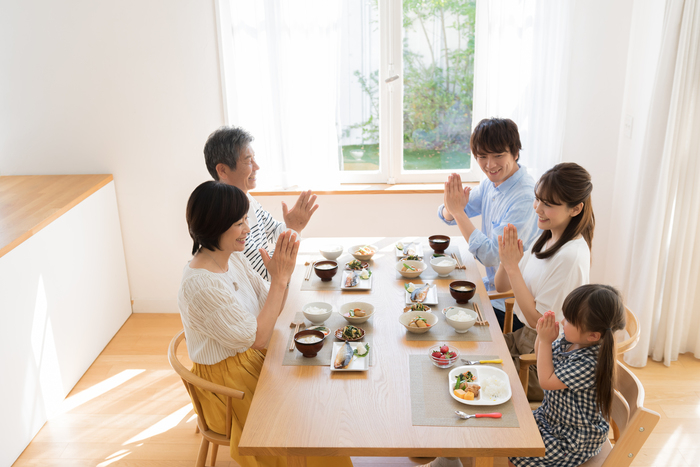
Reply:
x=129, y=88
x=63, y=296
x=132, y=88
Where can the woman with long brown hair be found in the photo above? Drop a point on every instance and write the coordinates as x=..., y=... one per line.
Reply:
x=558, y=261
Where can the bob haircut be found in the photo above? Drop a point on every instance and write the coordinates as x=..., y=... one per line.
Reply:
x=212, y=209
x=224, y=146
x=494, y=136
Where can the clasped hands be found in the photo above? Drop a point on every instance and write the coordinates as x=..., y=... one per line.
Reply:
x=547, y=328
x=281, y=265
x=456, y=197
x=510, y=248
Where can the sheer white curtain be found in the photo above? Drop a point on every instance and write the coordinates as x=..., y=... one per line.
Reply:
x=281, y=76
x=521, y=72
x=660, y=259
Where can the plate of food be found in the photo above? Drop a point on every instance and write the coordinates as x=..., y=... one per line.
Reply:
x=356, y=280
x=409, y=250
x=356, y=265
x=479, y=385
x=350, y=333
x=417, y=307
x=350, y=356
x=421, y=293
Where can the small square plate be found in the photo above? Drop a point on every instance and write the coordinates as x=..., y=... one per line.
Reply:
x=357, y=364
x=411, y=245
x=364, y=284
x=431, y=299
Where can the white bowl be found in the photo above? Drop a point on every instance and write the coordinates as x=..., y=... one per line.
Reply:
x=331, y=251
x=318, y=318
x=369, y=308
x=406, y=318
x=459, y=326
x=420, y=265
x=443, y=271
x=353, y=251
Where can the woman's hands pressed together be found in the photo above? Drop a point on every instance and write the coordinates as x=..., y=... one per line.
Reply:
x=510, y=248
x=281, y=265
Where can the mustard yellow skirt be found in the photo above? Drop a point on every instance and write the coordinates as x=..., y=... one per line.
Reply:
x=241, y=372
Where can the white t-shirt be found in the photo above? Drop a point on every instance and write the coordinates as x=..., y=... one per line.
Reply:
x=219, y=310
x=551, y=280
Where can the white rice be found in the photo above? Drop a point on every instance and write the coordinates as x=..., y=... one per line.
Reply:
x=445, y=262
x=313, y=310
x=461, y=316
x=493, y=388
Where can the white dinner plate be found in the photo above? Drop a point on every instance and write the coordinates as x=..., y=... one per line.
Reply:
x=417, y=245
x=357, y=364
x=431, y=299
x=481, y=372
x=364, y=284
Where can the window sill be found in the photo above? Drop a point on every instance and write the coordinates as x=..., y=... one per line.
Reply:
x=362, y=189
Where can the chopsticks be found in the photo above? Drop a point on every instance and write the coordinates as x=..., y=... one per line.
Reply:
x=309, y=266
x=481, y=321
x=459, y=262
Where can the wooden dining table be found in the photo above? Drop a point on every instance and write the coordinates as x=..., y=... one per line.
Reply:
x=301, y=411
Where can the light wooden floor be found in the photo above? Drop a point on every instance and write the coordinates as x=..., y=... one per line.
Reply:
x=131, y=410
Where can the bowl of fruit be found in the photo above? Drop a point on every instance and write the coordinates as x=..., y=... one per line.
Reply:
x=443, y=356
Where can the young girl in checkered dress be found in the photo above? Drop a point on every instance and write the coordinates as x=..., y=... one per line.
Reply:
x=576, y=371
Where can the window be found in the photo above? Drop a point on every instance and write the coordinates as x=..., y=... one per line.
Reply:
x=364, y=91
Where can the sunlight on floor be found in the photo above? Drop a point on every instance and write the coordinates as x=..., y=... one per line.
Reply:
x=114, y=458
x=162, y=426
x=97, y=390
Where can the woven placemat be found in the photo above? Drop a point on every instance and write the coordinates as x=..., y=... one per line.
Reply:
x=323, y=357
x=444, y=332
x=429, y=273
x=432, y=404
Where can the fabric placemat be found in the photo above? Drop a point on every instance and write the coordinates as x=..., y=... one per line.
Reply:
x=315, y=283
x=444, y=332
x=429, y=273
x=432, y=404
x=323, y=357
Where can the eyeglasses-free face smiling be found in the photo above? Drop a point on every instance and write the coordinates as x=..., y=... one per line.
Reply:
x=554, y=217
x=498, y=167
x=244, y=176
x=234, y=238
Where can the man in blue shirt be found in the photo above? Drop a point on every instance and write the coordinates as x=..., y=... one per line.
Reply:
x=507, y=197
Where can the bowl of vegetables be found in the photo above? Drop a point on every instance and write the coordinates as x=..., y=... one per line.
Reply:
x=418, y=322
x=362, y=252
x=410, y=269
x=350, y=333
x=417, y=307
x=356, y=312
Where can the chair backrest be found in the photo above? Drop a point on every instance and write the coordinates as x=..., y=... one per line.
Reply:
x=634, y=421
x=192, y=381
x=632, y=330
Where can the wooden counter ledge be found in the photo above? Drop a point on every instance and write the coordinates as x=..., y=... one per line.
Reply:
x=28, y=203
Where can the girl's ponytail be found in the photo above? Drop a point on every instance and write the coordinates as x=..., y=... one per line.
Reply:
x=599, y=308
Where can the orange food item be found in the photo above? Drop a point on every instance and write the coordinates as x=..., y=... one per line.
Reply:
x=468, y=396
x=459, y=393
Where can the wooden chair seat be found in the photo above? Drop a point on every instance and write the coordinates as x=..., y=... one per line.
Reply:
x=192, y=381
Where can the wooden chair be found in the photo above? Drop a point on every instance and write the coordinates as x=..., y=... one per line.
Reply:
x=632, y=328
x=526, y=360
x=634, y=420
x=192, y=381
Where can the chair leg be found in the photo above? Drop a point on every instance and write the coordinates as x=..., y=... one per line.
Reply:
x=214, y=452
x=615, y=430
x=202, y=455
x=196, y=429
x=524, y=373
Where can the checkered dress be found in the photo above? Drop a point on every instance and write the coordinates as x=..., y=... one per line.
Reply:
x=572, y=428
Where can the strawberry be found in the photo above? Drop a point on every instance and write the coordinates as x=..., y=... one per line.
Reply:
x=436, y=354
x=444, y=348
x=443, y=361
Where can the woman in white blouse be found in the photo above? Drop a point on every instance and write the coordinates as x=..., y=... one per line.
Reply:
x=228, y=311
x=557, y=263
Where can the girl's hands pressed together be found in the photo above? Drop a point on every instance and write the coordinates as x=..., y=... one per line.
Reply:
x=547, y=328
x=510, y=248
x=456, y=197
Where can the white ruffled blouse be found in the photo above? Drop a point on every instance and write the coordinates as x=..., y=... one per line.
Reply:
x=219, y=310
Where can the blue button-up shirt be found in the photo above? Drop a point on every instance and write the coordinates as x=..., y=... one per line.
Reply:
x=509, y=203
